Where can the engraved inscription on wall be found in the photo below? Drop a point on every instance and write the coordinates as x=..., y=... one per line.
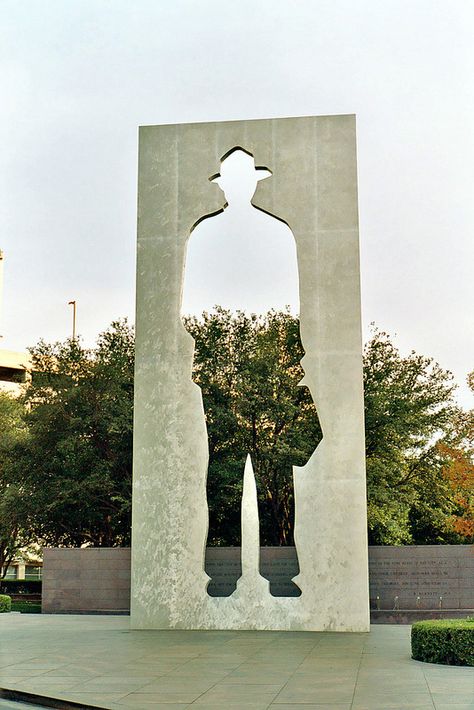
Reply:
x=407, y=572
x=428, y=577
x=277, y=564
x=423, y=577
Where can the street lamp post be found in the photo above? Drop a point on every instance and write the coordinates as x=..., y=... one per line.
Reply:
x=73, y=304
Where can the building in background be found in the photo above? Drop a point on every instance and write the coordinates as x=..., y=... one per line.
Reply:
x=14, y=366
x=15, y=369
x=25, y=569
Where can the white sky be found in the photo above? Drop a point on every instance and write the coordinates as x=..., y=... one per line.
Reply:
x=77, y=78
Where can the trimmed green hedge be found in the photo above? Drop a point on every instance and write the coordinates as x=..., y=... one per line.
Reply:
x=5, y=603
x=448, y=641
x=27, y=607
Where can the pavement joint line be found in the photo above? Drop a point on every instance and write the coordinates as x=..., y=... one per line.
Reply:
x=361, y=657
x=273, y=702
x=429, y=689
x=270, y=641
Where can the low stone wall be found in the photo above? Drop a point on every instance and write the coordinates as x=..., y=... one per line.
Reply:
x=430, y=577
x=417, y=577
x=422, y=577
x=95, y=579
x=277, y=564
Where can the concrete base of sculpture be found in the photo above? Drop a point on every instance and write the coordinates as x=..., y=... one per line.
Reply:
x=313, y=189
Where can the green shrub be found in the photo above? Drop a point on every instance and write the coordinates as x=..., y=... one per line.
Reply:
x=448, y=641
x=5, y=603
x=26, y=607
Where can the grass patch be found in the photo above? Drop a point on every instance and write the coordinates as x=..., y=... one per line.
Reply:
x=447, y=641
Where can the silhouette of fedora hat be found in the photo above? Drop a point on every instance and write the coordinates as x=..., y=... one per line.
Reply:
x=233, y=162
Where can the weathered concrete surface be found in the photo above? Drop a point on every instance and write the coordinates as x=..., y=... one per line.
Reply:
x=313, y=189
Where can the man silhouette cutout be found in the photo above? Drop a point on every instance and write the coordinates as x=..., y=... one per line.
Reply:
x=236, y=259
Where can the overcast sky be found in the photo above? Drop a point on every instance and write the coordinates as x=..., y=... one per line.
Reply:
x=77, y=78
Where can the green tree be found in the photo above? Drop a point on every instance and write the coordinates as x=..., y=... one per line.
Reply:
x=248, y=369
x=458, y=453
x=15, y=528
x=76, y=460
x=409, y=407
x=65, y=467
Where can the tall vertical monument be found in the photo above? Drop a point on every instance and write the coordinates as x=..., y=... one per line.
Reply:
x=313, y=189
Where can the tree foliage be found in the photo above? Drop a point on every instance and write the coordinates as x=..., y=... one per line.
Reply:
x=15, y=523
x=66, y=446
x=75, y=462
x=248, y=369
x=409, y=407
x=458, y=453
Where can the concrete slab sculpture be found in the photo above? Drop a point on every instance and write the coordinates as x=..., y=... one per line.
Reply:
x=313, y=188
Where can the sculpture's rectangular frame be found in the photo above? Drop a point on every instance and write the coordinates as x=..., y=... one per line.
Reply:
x=314, y=189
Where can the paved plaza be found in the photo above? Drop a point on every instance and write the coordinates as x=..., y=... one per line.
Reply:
x=97, y=660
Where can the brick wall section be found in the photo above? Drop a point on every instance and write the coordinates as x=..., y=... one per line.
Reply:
x=98, y=579
x=84, y=580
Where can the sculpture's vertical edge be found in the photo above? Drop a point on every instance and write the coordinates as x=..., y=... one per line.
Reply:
x=150, y=510
x=338, y=344
x=169, y=516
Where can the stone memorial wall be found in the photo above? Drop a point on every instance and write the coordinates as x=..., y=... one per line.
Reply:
x=90, y=580
x=277, y=564
x=93, y=580
x=422, y=577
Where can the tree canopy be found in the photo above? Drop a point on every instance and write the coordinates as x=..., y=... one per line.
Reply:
x=458, y=453
x=66, y=446
x=409, y=409
x=75, y=461
x=248, y=369
x=15, y=521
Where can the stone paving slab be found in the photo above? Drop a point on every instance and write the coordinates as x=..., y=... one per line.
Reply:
x=97, y=660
